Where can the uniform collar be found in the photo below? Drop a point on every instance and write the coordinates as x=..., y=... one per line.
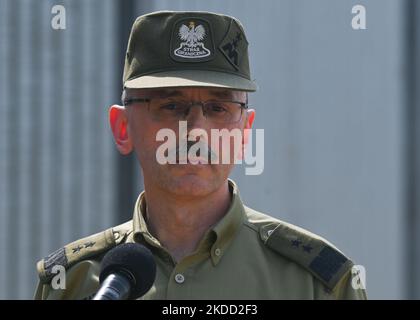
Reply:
x=222, y=233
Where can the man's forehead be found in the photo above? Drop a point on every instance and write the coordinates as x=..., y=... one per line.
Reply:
x=181, y=92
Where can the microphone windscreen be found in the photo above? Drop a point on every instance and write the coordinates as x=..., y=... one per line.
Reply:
x=134, y=259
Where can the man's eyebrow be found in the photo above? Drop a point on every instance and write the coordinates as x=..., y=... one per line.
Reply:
x=221, y=94
x=164, y=94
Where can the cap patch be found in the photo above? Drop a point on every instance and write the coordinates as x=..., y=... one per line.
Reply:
x=234, y=44
x=191, y=41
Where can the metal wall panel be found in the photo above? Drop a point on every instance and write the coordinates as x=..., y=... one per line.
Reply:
x=57, y=158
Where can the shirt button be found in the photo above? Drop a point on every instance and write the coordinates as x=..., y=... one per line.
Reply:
x=217, y=252
x=179, y=278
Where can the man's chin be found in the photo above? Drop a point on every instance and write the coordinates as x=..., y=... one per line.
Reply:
x=191, y=184
x=199, y=169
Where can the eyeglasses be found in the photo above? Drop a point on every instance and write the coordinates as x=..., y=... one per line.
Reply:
x=216, y=111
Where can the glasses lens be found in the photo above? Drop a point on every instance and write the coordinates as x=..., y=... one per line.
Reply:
x=169, y=110
x=221, y=112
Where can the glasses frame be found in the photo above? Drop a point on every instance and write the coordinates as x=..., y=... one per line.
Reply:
x=242, y=105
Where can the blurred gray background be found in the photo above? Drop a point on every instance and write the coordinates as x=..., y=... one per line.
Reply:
x=340, y=110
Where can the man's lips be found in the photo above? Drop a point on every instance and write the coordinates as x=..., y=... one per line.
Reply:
x=193, y=160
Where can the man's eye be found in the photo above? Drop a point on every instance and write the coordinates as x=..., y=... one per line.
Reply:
x=170, y=107
x=216, y=107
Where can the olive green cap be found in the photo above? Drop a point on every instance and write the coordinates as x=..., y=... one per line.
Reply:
x=187, y=49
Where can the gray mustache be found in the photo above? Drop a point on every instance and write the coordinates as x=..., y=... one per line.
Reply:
x=202, y=147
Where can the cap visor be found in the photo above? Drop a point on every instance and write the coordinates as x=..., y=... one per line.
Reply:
x=191, y=78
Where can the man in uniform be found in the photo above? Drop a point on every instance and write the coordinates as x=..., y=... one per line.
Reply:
x=193, y=67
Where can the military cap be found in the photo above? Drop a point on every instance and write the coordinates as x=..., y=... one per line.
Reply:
x=187, y=49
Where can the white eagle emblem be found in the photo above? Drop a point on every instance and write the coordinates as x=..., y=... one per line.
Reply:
x=192, y=47
x=192, y=34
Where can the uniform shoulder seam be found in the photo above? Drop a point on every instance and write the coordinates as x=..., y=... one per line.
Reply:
x=82, y=249
x=323, y=260
x=251, y=226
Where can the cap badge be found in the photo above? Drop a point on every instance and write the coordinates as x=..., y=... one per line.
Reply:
x=191, y=46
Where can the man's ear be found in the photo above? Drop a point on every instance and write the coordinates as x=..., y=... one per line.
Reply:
x=250, y=116
x=248, y=124
x=119, y=126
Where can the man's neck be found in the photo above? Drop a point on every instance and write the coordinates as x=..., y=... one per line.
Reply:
x=180, y=224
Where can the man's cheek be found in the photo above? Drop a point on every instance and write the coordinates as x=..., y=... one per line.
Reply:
x=144, y=148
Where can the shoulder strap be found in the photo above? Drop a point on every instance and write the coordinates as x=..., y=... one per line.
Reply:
x=82, y=249
x=313, y=253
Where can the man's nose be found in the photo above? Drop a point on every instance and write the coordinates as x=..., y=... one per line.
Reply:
x=195, y=116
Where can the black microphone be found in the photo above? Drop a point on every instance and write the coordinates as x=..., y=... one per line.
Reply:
x=128, y=271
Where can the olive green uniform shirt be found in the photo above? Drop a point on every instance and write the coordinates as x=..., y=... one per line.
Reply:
x=246, y=255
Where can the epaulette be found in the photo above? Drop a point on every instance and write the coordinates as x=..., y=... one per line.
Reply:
x=313, y=253
x=82, y=249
